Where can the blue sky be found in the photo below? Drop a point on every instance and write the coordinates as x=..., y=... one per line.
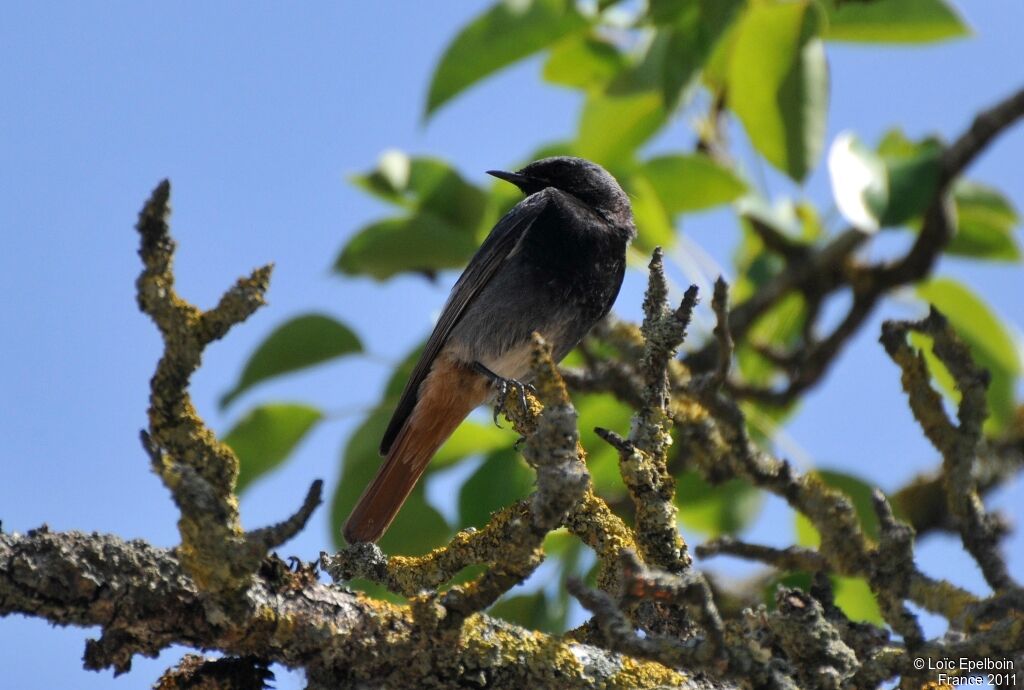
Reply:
x=257, y=112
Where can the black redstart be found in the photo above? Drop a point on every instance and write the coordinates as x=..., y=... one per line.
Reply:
x=553, y=264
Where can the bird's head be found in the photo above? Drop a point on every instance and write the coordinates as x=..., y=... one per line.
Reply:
x=588, y=182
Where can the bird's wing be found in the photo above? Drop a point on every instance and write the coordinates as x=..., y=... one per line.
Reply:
x=499, y=245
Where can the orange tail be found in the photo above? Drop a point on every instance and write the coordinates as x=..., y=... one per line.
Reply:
x=449, y=393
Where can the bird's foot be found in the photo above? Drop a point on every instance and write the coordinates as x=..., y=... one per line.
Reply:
x=504, y=385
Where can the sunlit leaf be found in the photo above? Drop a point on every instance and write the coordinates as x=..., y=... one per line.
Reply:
x=939, y=373
x=990, y=342
x=985, y=221
x=973, y=320
x=693, y=33
x=777, y=328
x=715, y=510
x=613, y=126
x=499, y=482
x=893, y=21
x=890, y=187
x=854, y=597
x=857, y=490
x=266, y=436
x=860, y=183
x=606, y=411
x=390, y=179
x=715, y=74
x=472, y=438
x=692, y=182
x=424, y=183
x=653, y=221
x=439, y=230
x=420, y=243
x=778, y=83
x=583, y=62
x=296, y=344
x=505, y=33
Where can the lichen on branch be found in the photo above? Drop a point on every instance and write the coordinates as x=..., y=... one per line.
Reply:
x=198, y=469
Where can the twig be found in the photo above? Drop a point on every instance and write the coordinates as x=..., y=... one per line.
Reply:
x=199, y=471
x=791, y=558
x=562, y=481
x=822, y=272
x=959, y=443
x=643, y=458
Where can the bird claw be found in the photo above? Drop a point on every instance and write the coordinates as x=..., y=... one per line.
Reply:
x=504, y=385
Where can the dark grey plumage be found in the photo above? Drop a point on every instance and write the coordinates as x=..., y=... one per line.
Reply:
x=553, y=264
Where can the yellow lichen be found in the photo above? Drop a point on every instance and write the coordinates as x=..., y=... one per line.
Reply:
x=645, y=674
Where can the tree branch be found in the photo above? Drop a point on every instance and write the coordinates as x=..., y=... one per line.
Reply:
x=145, y=601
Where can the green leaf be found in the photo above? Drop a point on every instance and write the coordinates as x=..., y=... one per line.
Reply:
x=422, y=243
x=613, y=126
x=472, y=438
x=860, y=182
x=792, y=580
x=715, y=510
x=854, y=597
x=396, y=382
x=715, y=75
x=857, y=490
x=990, y=342
x=418, y=527
x=673, y=57
x=532, y=611
x=893, y=21
x=500, y=481
x=583, y=62
x=297, y=344
x=778, y=83
x=266, y=436
x=913, y=176
x=692, y=182
x=939, y=373
x=509, y=31
x=755, y=266
x=985, y=221
x=667, y=11
x=778, y=327
x=389, y=180
x=606, y=411
x=890, y=187
x=973, y=320
x=653, y=222
x=696, y=30
x=424, y=183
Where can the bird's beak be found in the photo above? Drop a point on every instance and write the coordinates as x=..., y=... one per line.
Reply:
x=515, y=178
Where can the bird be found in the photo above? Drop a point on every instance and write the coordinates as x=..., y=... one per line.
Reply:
x=554, y=265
